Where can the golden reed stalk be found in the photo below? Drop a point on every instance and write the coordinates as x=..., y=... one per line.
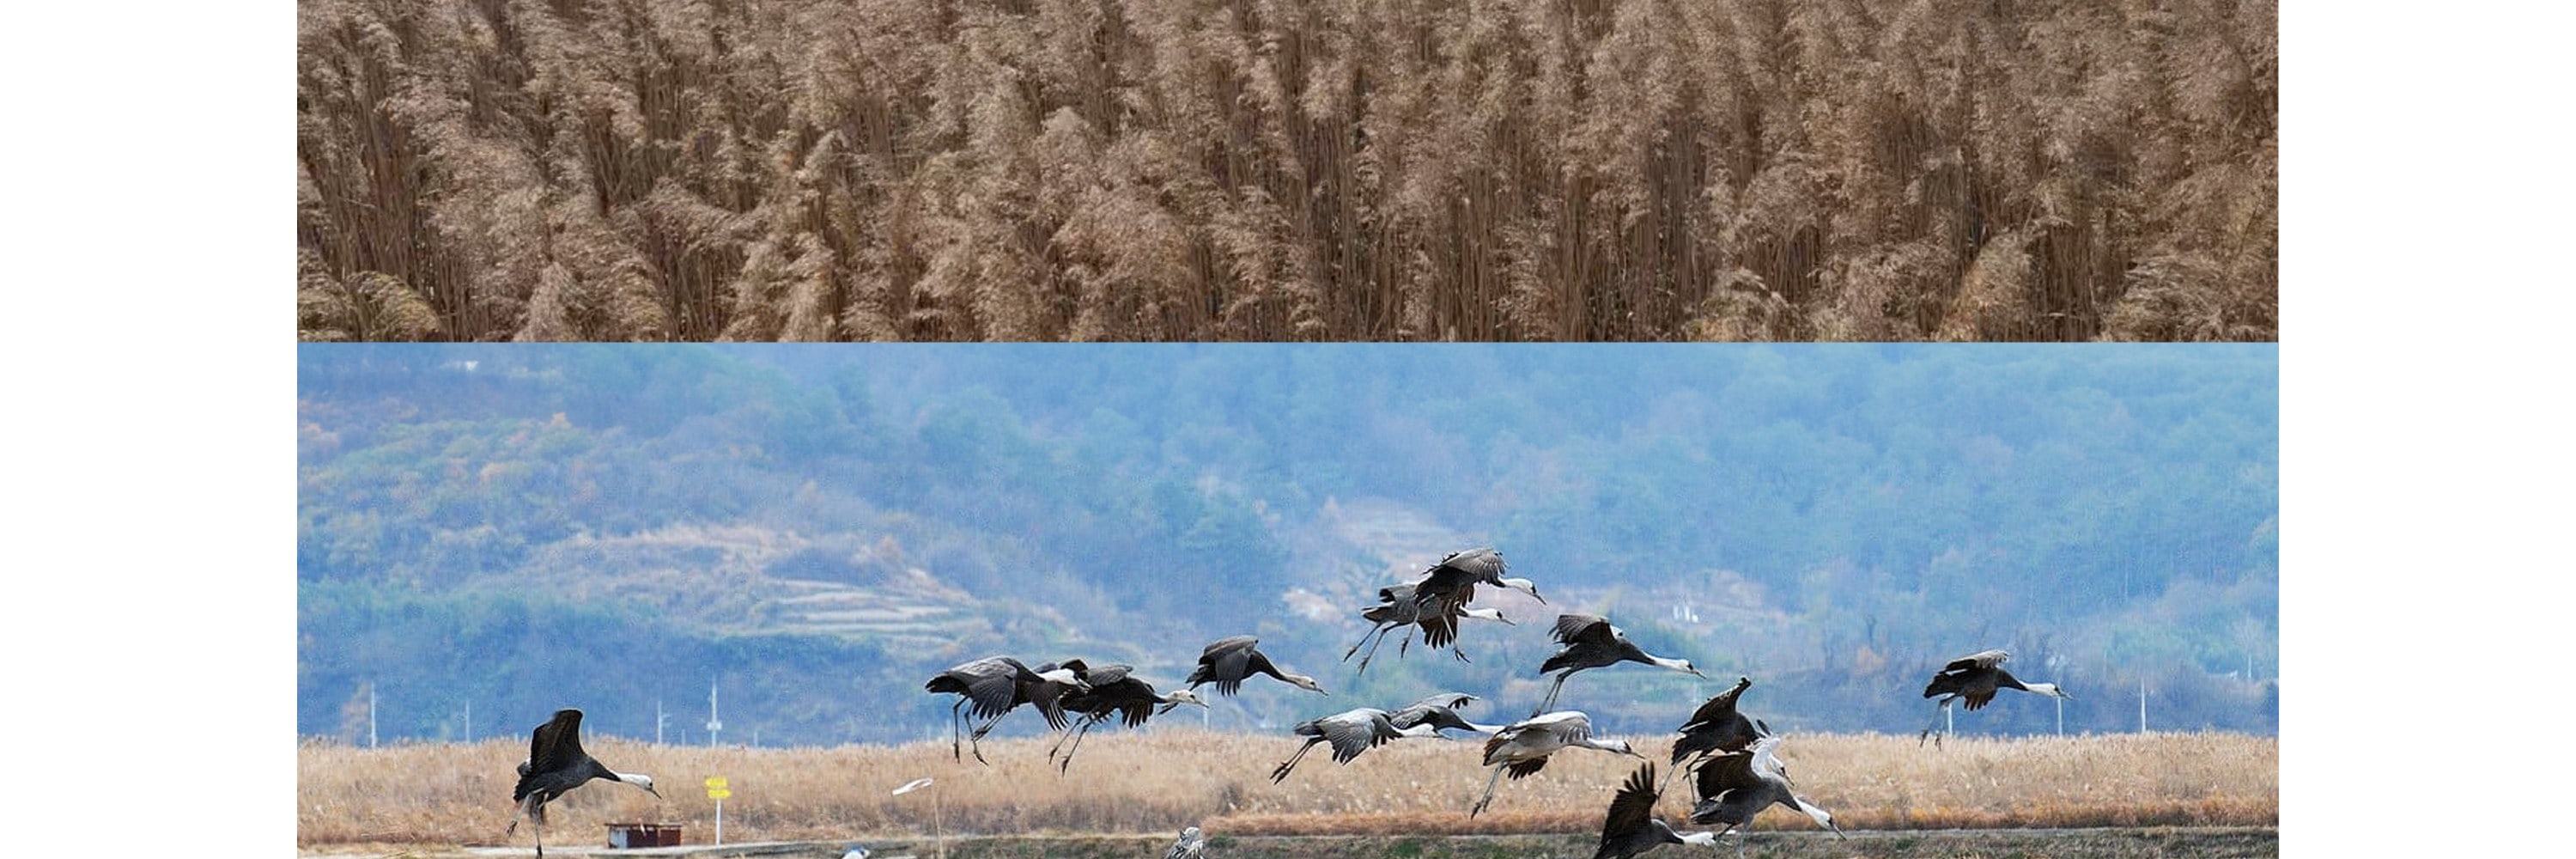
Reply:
x=1166, y=778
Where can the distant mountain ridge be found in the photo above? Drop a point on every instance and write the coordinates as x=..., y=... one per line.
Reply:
x=815, y=533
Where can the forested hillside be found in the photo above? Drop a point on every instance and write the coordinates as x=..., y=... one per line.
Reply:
x=818, y=530
x=1877, y=170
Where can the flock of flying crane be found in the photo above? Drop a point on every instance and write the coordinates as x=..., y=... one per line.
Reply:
x=1738, y=772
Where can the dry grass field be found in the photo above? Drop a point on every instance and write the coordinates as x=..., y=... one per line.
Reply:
x=1157, y=782
x=1286, y=170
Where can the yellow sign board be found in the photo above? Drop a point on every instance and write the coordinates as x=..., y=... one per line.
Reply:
x=718, y=793
x=716, y=782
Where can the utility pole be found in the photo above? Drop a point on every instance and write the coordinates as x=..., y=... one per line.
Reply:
x=658, y=720
x=371, y=715
x=2142, y=705
x=714, y=724
x=469, y=720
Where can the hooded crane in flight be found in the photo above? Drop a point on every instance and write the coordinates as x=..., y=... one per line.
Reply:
x=1591, y=642
x=1455, y=578
x=1440, y=711
x=1351, y=732
x=1715, y=726
x=1523, y=747
x=1438, y=620
x=1972, y=680
x=1632, y=827
x=557, y=764
x=1227, y=661
x=1735, y=786
x=1115, y=691
x=989, y=687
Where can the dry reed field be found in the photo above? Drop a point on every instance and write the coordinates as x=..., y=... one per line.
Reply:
x=1286, y=170
x=1158, y=781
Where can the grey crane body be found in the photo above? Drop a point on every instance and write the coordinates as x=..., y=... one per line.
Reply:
x=1971, y=681
x=1440, y=711
x=1632, y=827
x=1523, y=748
x=1438, y=620
x=993, y=686
x=1736, y=786
x=1455, y=578
x=1716, y=726
x=1350, y=732
x=1227, y=662
x=1115, y=692
x=555, y=765
x=1591, y=642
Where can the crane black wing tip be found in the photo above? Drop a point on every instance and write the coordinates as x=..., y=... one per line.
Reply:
x=1643, y=780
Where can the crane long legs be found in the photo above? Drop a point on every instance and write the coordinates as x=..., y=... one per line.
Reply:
x=534, y=810
x=957, y=723
x=1489, y=793
x=1281, y=774
x=1378, y=633
x=1067, y=763
x=1687, y=764
x=1938, y=711
x=1552, y=689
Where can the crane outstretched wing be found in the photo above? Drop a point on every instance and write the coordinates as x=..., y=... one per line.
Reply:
x=1632, y=808
x=552, y=747
x=992, y=686
x=1719, y=706
x=1724, y=772
x=1578, y=628
x=1356, y=731
x=1454, y=578
x=1979, y=659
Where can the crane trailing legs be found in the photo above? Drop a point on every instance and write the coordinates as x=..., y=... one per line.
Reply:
x=1591, y=642
x=992, y=686
x=1351, y=732
x=1971, y=681
x=1115, y=691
